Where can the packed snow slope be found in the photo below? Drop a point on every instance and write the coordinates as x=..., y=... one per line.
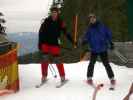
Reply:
x=76, y=88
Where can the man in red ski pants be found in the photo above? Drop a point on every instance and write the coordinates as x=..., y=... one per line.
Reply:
x=55, y=52
x=49, y=35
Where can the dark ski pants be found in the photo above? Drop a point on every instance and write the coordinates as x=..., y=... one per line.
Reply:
x=104, y=59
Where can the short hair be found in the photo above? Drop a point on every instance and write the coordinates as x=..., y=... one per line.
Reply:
x=91, y=14
x=54, y=9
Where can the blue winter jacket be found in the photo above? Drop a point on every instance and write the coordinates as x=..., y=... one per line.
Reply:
x=99, y=37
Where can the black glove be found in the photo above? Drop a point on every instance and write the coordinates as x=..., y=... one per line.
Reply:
x=39, y=46
x=81, y=42
x=112, y=46
x=69, y=37
x=84, y=42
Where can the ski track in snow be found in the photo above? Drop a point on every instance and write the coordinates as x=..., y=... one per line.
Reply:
x=76, y=88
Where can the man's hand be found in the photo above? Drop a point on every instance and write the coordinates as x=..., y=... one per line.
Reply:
x=81, y=42
x=112, y=46
x=127, y=97
x=39, y=46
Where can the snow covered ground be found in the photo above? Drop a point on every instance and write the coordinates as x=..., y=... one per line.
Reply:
x=76, y=89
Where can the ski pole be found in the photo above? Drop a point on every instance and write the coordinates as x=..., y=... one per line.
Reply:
x=52, y=70
x=122, y=58
x=75, y=29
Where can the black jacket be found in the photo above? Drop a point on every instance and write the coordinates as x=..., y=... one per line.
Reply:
x=50, y=31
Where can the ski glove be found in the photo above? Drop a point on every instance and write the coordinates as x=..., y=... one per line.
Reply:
x=112, y=46
x=39, y=46
x=69, y=37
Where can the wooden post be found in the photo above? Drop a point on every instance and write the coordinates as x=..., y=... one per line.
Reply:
x=75, y=30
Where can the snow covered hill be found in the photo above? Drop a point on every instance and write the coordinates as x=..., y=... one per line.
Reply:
x=76, y=89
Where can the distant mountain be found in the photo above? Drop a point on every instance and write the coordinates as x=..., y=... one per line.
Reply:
x=28, y=41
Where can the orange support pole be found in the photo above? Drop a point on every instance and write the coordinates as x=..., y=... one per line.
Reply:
x=75, y=30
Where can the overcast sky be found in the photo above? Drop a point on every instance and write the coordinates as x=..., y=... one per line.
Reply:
x=24, y=15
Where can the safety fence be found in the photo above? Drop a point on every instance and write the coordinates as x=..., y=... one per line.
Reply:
x=9, y=78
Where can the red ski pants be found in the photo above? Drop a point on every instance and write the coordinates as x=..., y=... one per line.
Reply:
x=54, y=51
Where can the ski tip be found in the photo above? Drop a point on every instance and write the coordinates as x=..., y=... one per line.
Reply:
x=55, y=76
x=37, y=86
x=58, y=86
x=62, y=84
x=112, y=89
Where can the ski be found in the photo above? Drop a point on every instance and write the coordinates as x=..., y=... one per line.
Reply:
x=62, y=84
x=41, y=84
x=112, y=87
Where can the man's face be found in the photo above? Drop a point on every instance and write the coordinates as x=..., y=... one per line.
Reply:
x=54, y=15
x=92, y=19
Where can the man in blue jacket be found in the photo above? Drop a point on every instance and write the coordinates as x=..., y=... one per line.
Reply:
x=99, y=38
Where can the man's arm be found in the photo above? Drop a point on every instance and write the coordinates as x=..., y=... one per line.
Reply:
x=41, y=33
x=129, y=93
x=85, y=38
x=97, y=88
x=131, y=89
x=64, y=30
x=109, y=37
